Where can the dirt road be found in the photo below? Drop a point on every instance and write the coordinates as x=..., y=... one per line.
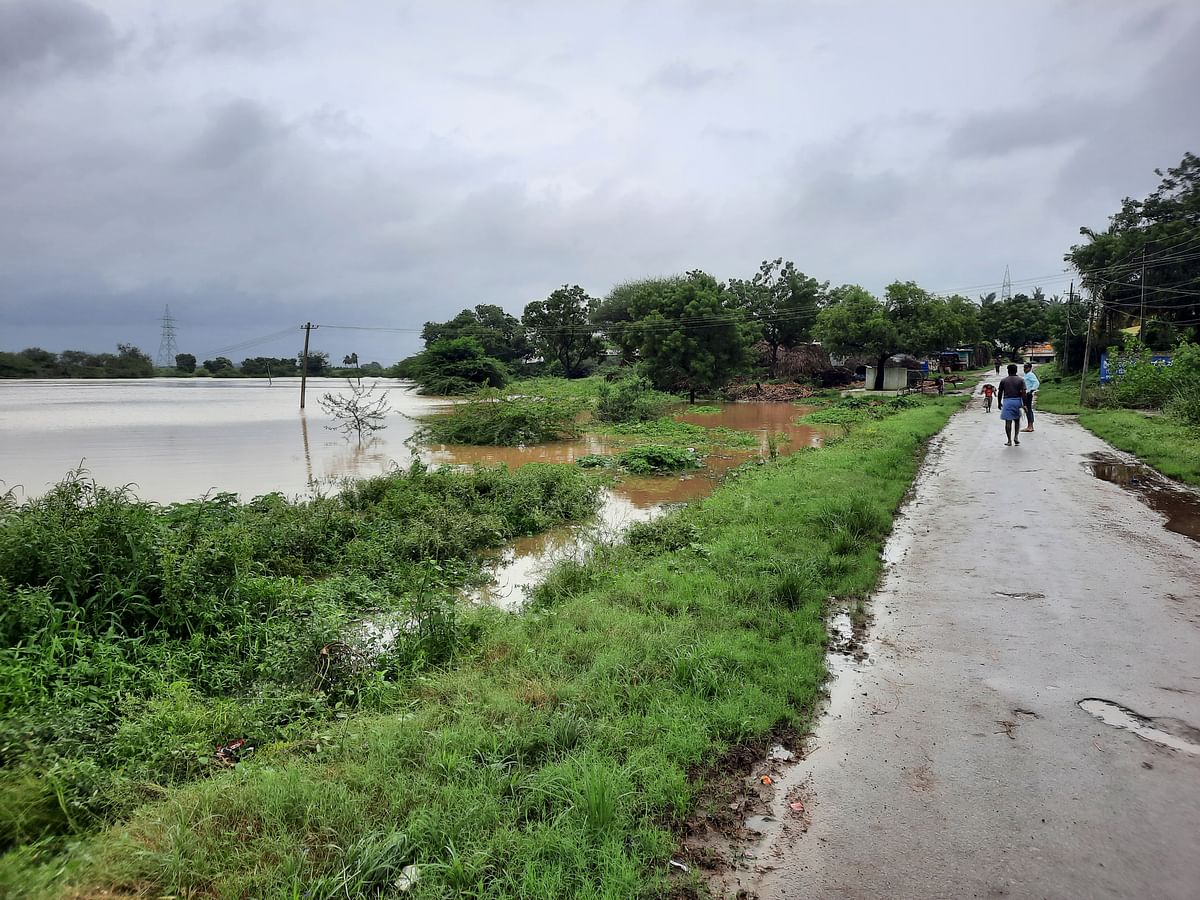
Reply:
x=958, y=762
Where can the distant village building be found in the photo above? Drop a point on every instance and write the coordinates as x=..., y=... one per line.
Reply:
x=900, y=372
x=1038, y=353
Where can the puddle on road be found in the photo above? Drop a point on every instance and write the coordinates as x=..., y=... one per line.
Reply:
x=1173, y=733
x=1179, y=504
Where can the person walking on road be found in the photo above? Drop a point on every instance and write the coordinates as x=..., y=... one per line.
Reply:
x=1011, y=393
x=997, y=365
x=1031, y=385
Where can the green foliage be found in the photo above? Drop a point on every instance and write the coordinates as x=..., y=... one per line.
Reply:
x=560, y=329
x=594, y=461
x=689, y=341
x=501, y=335
x=138, y=639
x=855, y=410
x=185, y=362
x=782, y=304
x=493, y=418
x=1155, y=237
x=34, y=362
x=1142, y=385
x=452, y=366
x=630, y=400
x=656, y=459
x=220, y=366
x=270, y=365
x=553, y=759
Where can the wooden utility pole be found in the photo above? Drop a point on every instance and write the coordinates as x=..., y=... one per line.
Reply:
x=1087, y=349
x=308, y=327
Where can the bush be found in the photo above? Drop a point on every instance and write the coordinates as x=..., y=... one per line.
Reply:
x=631, y=400
x=490, y=418
x=451, y=367
x=649, y=459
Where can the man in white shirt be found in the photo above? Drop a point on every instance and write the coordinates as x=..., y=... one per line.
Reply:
x=1031, y=385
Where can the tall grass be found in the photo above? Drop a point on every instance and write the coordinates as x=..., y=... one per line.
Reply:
x=138, y=640
x=552, y=758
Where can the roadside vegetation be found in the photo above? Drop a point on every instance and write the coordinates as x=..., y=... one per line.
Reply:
x=1125, y=414
x=148, y=646
x=546, y=754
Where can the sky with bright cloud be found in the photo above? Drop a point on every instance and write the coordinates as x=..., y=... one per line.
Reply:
x=380, y=163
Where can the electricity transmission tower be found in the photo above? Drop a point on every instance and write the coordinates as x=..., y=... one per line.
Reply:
x=1006, y=287
x=166, y=346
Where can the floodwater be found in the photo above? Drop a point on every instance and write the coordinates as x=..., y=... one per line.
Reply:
x=178, y=439
x=1179, y=504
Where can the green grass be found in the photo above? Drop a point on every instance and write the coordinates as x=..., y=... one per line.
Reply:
x=136, y=640
x=1168, y=445
x=551, y=758
x=669, y=431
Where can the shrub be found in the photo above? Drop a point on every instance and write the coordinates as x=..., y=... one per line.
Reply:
x=650, y=459
x=493, y=419
x=450, y=367
x=631, y=400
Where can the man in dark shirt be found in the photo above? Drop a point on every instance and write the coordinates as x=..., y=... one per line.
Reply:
x=1012, y=398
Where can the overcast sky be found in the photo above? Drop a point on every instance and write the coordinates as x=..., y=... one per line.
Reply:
x=259, y=164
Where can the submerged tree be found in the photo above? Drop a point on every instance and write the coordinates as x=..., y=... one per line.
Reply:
x=359, y=413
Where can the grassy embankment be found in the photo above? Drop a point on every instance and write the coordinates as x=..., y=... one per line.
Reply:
x=138, y=639
x=1169, y=446
x=551, y=757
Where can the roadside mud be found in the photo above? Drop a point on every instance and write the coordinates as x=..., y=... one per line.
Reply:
x=756, y=800
x=1178, y=504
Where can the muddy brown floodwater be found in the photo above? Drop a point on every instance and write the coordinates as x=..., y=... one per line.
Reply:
x=1180, y=505
x=631, y=499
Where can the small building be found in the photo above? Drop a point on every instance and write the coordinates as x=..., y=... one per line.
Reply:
x=1038, y=353
x=900, y=372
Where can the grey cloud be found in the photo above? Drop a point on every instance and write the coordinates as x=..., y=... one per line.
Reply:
x=684, y=76
x=236, y=131
x=1051, y=122
x=239, y=29
x=42, y=37
x=1146, y=23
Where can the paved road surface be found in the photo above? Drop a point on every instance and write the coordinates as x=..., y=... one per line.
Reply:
x=958, y=762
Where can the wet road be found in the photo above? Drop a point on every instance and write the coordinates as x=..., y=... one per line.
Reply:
x=958, y=762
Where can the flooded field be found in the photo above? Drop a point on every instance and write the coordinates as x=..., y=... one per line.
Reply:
x=178, y=439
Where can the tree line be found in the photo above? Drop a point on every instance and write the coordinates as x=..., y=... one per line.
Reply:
x=130, y=362
x=692, y=333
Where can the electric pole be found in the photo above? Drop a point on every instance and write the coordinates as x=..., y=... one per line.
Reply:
x=308, y=327
x=1087, y=349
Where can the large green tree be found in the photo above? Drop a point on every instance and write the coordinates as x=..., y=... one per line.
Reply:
x=693, y=338
x=1146, y=264
x=1017, y=322
x=501, y=335
x=619, y=313
x=560, y=328
x=782, y=303
x=854, y=322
